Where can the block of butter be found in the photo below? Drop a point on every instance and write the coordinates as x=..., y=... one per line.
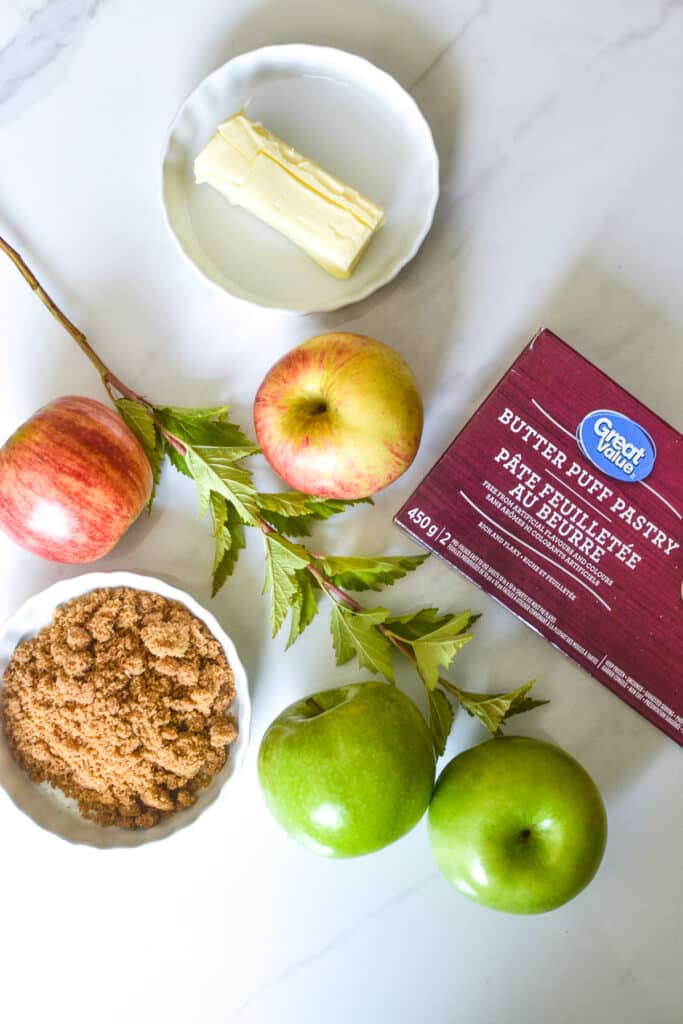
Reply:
x=251, y=168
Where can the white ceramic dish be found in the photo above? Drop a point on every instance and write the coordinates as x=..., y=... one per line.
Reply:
x=340, y=110
x=48, y=807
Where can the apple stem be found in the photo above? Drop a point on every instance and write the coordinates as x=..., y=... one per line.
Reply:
x=111, y=382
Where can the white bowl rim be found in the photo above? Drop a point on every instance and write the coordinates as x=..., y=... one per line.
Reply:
x=343, y=57
x=67, y=589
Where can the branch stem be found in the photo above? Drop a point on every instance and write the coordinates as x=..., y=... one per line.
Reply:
x=400, y=645
x=110, y=380
x=338, y=595
x=172, y=439
x=449, y=686
x=341, y=597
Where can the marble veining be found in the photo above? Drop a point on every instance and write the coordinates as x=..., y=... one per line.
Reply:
x=448, y=47
x=46, y=32
x=639, y=34
x=347, y=934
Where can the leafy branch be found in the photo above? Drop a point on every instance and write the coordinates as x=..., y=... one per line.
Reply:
x=206, y=446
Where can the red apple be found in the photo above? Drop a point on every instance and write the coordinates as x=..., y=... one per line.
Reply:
x=72, y=480
x=339, y=416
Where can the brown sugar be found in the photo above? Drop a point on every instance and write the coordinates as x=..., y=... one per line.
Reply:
x=122, y=703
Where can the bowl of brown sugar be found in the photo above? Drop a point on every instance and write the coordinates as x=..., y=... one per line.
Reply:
x=124, y=709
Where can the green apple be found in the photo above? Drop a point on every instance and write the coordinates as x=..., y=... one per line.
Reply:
x=347, y=771
x=339, y=416
x=517, y=825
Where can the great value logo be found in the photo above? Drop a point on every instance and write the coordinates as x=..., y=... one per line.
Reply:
x=617, y=445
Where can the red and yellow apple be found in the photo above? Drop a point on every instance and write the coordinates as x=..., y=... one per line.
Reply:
x=72, y=479
x=339, y=416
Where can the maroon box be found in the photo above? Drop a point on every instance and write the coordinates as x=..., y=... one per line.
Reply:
x=562, y=497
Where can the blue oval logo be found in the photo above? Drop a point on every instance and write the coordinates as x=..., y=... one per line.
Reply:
x=617, y=445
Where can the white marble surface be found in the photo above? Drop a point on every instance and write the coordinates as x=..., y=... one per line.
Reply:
x=558, y=127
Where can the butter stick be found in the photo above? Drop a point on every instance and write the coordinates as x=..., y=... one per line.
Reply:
x=251, y=168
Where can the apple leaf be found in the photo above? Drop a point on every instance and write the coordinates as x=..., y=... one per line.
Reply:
x=438, y=648
x=417, y=624
x=219, y=512
x=229, y=535
x=369, y=573
x=283, y=560
x=175, y=458
x=441, y=717
x=213, y=471
x=525, y=704
x=140, y=420
x=290, y=526
x=343, y=648
x=494, y=709
x=356, y=633
x=292, y=512
x=304, y=605
x=198, y=427
x=296, y=503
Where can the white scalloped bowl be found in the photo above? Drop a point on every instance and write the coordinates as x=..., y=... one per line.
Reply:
x=353, y=119
x=49, y=807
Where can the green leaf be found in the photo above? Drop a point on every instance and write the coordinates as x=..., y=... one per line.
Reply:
x=304, y=605
x=201, y=427
x=283, y=559
x=495, y=709
x=343, y=647
x=438, y=648
x=292, y=512
x=219, y=512
x=441, y=717
x=229, y=535
x=356, y=633
x=291, y=526
x=175, y=458
x=525, y=704
x=417, y=624
x=140, y=420
x=212, y=471
x=296, y=503
x=369, y=573
x=197, y=427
